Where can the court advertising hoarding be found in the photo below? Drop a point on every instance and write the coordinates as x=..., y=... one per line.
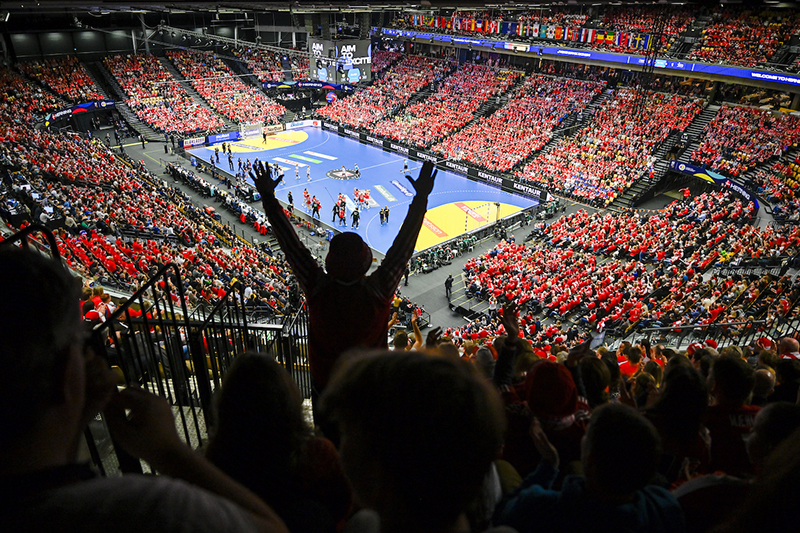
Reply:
x=688, y=67
x=491, y=178
x=194, y=141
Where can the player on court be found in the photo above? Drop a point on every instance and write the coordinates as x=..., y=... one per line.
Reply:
x=307, y=200
x=365, y=198
x=358, y=172
x=297, y=171
x=405, y=166
x=308, y=172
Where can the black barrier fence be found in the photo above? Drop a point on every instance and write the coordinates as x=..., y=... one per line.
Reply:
x=153, y=341
x=496, y=179
x=744, y=333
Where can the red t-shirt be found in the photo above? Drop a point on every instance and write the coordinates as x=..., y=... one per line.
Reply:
x=627, y=369
x=728, y=427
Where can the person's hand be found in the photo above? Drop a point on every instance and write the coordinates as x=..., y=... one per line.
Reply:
x=653, y=394
x=433, y=338
x=101, y=383
x=625, y=396
x=149, y=431
x=424, y=183
x=414, y=317
x=543, y=445
x=262, y=177
x=510, y=321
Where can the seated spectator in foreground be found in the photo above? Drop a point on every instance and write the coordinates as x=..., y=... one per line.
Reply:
x=712, y=499
x=419, y=434
x=55, y=387
x=731, y=418
x=620, y=458
x=270, y=449
x=772, y=502
x=678, y=415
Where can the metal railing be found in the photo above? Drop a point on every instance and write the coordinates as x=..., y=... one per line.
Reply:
x=741, y=334
x=154, y=342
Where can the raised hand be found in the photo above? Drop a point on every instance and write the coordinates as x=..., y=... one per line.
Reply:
x=433, y=338
x=510, y=321
x=262, y=177
x=424, y=183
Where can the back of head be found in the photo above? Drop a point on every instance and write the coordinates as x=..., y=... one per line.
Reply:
x=39, y=320
x=551, y=390
x=400, y=341
x=771, y=504
x=621, y=450
x=596, y=379
x=484, y=360
x=418, y=433
x=349, y=258
x=634, y=355
x=764, y=382
x=654, y=369
x=259, y=420
x=774, y=424
x=683, y=403
x=733, y=379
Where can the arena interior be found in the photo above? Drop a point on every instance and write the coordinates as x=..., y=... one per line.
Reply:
x=501, y=267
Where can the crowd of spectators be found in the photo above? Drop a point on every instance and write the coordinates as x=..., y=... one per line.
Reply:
x=119, y=223
x=539, y=433
x=393, y=90
x=382, y=59
x=522, y=126
x=158, y=99
x=224, y=92
x=601, y=161
x=22, y=98
x=66, y=77
x=779, y=184
x=747, y=39
x=740, y=138
x=603, y=272
x=455, y=102
x=266, y=65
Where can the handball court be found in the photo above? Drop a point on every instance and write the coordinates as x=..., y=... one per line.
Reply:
x=456, y=204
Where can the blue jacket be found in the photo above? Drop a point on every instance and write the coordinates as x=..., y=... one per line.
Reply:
x=535, y=507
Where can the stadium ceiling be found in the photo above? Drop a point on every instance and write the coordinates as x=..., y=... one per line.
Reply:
x=111, y=7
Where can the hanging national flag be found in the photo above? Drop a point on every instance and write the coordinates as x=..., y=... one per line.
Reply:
x=647, y=43
x=479, y=25
x=522, y=28
x=638, y=40
x=610, y=36
x=551, y=32
x=512, y=28
x=559, y=33
x=543, y=31
x=618, y=39
x=505, y=28
x=600, y=36
x=472, y=25
x=589, y=36
x=569, y=34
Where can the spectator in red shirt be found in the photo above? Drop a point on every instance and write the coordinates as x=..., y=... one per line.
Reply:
x=731, y=417
x=633, y=364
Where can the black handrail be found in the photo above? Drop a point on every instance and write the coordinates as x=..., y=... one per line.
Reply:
x=27, y=231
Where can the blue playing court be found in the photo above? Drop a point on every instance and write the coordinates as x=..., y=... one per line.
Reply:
x=455, y=205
